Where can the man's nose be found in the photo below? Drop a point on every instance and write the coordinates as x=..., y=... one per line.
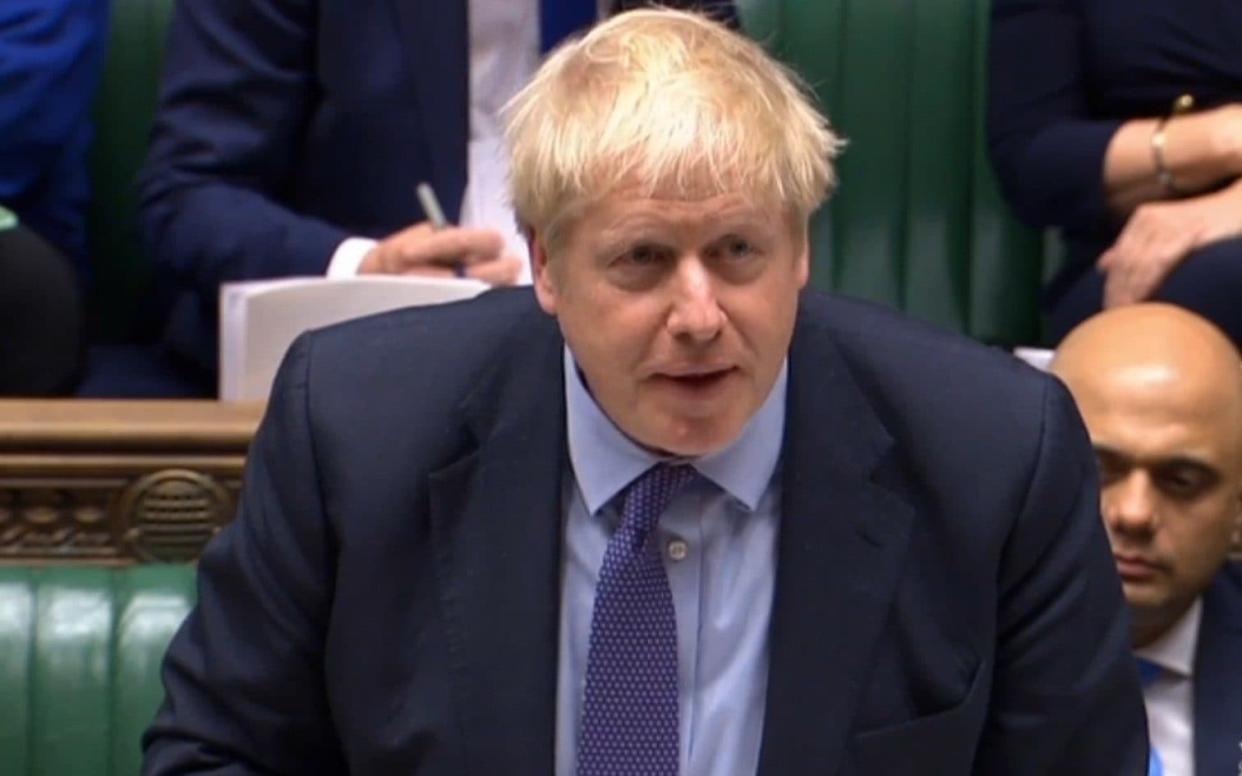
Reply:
x=1130, y=504
x=695, y=312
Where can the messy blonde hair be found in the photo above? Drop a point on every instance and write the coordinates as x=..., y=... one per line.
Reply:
x=674, y=104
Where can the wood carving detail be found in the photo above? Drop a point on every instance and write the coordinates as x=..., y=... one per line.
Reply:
x=166, y=517
x=58, y=520
x=173, y=514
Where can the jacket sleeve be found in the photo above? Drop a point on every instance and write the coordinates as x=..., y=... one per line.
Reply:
x=1047, y=149
x=243, y=678
x=1066, y=696
x=237, y=93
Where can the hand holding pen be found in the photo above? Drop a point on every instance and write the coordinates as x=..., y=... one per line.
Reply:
x=437, y=249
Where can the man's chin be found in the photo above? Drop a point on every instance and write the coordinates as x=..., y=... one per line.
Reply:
x=691, y=437
x=1144, y=597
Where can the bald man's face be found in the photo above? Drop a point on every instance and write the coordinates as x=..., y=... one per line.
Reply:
x=1170, y=458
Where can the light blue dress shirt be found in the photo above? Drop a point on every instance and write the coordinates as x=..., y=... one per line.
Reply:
x=719, y=539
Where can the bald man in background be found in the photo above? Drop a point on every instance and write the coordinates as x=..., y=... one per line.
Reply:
x=1160, y=390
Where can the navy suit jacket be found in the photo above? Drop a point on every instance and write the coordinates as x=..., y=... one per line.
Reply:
x=387, y=599
x=1218, y=677
x=285, y=126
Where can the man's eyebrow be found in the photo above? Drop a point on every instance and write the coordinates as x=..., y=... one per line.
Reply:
x=728, y=221
x=1168, y=462
x=1187, y=462
x=1105, y=451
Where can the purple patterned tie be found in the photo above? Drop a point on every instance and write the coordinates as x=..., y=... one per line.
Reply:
x=629, y=711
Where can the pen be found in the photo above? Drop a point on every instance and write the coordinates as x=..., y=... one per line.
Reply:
x=431, y=205
x=435, y=216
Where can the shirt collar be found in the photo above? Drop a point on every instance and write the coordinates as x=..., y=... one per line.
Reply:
x=1175, y=650
x=605, y=460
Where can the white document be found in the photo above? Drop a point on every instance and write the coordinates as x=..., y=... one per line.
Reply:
x=1040, y=358
x=260, y=319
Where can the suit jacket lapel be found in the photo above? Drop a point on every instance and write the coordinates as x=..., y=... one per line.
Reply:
x=496, y=523
x=435, y=37
x=1218, y=677
x=843, y=536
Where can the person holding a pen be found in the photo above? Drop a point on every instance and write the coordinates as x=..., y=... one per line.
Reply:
x=290, y=137
x=434, y=247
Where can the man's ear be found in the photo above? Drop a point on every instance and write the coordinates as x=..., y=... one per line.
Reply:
x=542, y=275
x=804, y=256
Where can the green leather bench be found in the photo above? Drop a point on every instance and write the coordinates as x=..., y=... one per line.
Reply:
x=80, y=650
x=103, y=507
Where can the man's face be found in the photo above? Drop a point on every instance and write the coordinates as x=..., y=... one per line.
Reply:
x=1170, y=472
x=678, y=312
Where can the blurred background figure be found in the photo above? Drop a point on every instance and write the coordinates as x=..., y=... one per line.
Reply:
x=290, y=137
x=1160, y=390
x=51, y=58
x=1121, y=124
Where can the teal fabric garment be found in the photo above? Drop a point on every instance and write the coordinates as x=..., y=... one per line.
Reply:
x=719, y=539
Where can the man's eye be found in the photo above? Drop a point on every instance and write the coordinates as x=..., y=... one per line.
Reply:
x=732, y=249
x=642, y=255
x=1182, y=485
x=738, y=248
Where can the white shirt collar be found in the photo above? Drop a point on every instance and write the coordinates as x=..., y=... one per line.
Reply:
x=1174, y=651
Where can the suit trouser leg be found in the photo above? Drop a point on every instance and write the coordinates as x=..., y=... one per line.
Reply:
x=40, y=317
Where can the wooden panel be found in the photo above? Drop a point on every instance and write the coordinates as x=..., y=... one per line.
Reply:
x=118, y=482
x=62, y=425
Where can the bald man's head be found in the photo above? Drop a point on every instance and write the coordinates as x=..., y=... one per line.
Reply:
x=1160, y=391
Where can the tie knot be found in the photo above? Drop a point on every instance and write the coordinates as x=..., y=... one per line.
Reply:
x=647, y=497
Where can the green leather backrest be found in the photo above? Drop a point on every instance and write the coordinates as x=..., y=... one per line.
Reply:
x=80, y=651
x=123, y=112
x=917, y=222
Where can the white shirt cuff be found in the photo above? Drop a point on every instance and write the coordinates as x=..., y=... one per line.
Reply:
x=348, y=257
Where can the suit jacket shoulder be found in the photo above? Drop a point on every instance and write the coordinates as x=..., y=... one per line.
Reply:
x=429, y=381
x=437, y=345
x=937, y=392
